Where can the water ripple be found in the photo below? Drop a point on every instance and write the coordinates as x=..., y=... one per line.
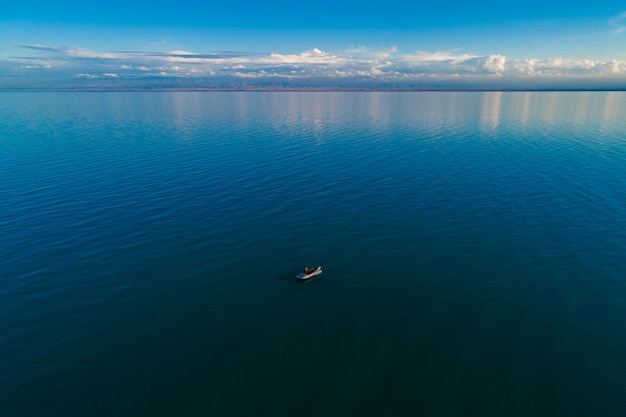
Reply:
x=151, y=240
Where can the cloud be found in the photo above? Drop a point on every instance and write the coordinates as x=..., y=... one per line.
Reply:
x=37, y=47
x=451, y=62
x=72, y=52
x=495, y=63
x=619, y=23
x=364, y=52
x=380, y=68
x=423, y=57
x=97, y=76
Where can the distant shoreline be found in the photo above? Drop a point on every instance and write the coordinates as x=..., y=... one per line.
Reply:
x=282, y=90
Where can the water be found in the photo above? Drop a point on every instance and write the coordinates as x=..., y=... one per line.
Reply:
x=474, y=249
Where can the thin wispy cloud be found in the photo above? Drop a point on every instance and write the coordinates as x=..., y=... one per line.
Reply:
x=619, y=23
x=309, y=68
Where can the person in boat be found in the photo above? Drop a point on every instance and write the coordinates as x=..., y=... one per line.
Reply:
x=308, y=270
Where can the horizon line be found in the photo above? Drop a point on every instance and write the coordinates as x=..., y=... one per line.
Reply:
x=300, y=89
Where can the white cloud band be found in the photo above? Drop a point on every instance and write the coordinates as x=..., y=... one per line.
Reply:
x=382, y=65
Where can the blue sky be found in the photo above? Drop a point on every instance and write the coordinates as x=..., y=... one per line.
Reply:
x=335, y=44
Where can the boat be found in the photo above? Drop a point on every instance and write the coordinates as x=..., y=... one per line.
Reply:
x=310, y=273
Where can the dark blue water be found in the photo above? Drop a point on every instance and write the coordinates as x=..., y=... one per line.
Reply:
x=473, y=244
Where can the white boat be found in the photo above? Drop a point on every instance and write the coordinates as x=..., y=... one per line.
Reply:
x=310, y=273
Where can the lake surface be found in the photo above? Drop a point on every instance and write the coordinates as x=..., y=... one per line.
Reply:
x=473, y=245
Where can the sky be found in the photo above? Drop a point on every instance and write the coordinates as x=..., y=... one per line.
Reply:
x=323, y=44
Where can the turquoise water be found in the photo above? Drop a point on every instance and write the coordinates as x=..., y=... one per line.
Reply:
x=473, y=244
